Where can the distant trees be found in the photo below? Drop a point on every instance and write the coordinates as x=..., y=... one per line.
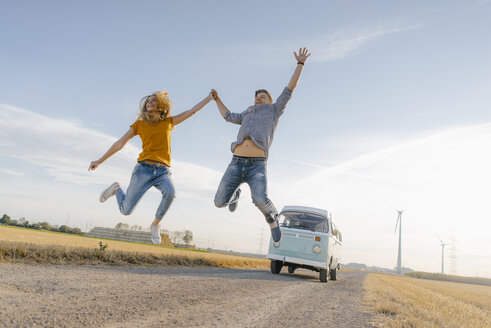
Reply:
x=122, y=225
x=5, y=219
x=44, y=225
x=24, y=223
x=180, y=237
x=188, y=237
x=176, y=237
x=126, y=226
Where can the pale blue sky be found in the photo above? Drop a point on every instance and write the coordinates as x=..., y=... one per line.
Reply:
x=384, y=80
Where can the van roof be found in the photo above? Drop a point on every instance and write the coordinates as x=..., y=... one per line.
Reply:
x=312, y=210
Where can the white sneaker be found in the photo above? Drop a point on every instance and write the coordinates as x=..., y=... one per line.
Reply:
x=155, y=229
x=109, y=192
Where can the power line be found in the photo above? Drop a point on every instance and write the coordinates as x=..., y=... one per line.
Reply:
x=453, y=254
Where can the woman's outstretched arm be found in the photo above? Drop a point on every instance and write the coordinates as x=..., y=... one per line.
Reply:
x=117, y=146
x=187, y=114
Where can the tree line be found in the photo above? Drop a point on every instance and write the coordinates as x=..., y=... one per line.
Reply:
x=176, y=237
x=23, y=223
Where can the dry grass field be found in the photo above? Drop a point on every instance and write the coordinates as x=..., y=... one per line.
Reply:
x=11, y=237
x=448, y=277
x=405, y=302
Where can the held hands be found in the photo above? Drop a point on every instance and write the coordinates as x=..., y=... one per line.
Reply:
x=214, y=94
x=302, y=55
x=94, y=165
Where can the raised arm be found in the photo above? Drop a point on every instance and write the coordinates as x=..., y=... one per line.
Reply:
x=187, y=114
x=226, y=114
x=117, y=146
x=221, y=107
x=301, y=58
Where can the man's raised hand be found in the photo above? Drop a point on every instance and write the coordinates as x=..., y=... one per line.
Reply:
x=302, y=55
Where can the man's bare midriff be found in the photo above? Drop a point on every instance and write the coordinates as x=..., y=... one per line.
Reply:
x=249, y=149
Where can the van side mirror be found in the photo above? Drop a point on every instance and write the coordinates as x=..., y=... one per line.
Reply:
x=335, y=232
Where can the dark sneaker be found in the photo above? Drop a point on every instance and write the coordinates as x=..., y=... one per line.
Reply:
x=109, y=192
x=276, y=233
x=232, y=206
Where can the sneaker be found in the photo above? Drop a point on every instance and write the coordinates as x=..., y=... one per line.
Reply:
x=155, y=229
x=109, y=192
x=232, y=206
x=276, y=233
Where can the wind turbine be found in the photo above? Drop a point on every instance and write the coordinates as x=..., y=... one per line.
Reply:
x=443, y=252
x=399, y=222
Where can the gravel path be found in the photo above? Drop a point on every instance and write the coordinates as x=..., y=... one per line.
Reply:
x=81, y=296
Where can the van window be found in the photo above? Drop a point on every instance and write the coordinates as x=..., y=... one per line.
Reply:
x=304, y=221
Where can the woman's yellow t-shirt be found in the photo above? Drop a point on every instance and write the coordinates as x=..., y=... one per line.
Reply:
x=155, y=139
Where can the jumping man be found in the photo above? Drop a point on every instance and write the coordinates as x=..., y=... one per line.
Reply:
x=258, y=123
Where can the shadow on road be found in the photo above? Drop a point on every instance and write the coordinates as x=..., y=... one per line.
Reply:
x=224, y=273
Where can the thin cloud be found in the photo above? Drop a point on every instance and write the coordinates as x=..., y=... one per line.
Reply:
x=340, y=44
x=305, y=163
x=335, y=45
x=65, y=148
x=10, y=172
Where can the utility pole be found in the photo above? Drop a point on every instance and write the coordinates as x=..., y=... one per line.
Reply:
x=453, y=254
x=261, y=241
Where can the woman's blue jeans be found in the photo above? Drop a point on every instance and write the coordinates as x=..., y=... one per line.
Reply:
x=251, y=170
x=143, y=177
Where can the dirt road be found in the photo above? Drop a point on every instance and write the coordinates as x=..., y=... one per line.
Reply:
x=80, y=296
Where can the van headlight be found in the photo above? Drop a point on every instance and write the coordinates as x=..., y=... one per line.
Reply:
x=316, y=249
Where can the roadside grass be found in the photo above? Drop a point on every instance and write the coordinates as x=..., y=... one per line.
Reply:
x=403, y=302
x=19, y=252
x=121, y=241
x=63, y=248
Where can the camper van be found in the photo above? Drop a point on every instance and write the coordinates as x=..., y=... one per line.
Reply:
x=310, y=241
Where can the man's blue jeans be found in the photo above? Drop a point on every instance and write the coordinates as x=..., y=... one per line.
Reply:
x=143, y=177
x=251, y=170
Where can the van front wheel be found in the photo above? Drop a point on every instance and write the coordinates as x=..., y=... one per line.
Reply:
x=323, y=275
x=332, y=274
x=276, y=266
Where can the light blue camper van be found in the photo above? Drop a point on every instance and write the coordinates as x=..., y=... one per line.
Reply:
x=310, y=241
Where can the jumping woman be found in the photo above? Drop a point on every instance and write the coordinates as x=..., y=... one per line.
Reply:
x=154, y=126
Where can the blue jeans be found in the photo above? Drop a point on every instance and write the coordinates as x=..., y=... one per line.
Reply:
x=251, y=170
x=143, y=177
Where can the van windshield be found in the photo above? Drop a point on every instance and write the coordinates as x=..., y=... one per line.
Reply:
x=304, y=221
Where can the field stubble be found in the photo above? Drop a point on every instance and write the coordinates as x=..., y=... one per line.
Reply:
x=30, y=246
x=403, y=302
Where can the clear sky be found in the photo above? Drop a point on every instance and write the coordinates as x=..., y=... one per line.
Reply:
x=393, y=109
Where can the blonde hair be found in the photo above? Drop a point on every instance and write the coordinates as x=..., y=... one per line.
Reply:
x=164, y=105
